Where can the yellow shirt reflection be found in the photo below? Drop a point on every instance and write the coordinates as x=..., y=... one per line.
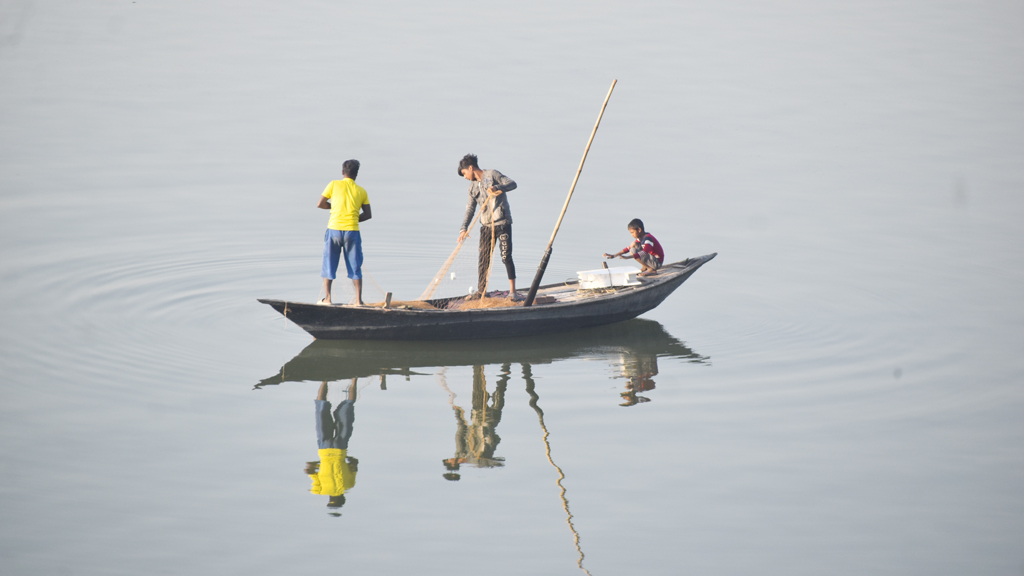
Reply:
x=334, y=475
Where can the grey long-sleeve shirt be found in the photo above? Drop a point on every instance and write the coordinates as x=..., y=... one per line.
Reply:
x=478, y=195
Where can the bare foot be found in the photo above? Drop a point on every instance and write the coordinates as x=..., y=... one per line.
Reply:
x=647, y=273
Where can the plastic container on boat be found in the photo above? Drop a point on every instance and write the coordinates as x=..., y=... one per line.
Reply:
x=607, y=277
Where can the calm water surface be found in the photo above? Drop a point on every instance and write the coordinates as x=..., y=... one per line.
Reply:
x=839, y=392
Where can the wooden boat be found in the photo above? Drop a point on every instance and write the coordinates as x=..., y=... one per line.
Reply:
x=565, y=308
x=636, y=343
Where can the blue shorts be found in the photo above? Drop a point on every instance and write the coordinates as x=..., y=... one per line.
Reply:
x=333, y=429
x=336, y=243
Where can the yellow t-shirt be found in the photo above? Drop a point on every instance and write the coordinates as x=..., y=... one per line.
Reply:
x=334, y=476
x=346, y=198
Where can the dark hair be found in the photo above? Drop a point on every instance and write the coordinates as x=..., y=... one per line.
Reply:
x=467, y=161
x=636, y=224
x=336, y=501
x=350, y=169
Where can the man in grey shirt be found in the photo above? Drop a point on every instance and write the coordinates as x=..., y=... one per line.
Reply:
x=487, y=188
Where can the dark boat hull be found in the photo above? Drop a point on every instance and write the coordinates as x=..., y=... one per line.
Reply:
x=365, y=323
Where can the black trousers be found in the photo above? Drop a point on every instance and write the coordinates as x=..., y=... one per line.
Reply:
x=503, y=240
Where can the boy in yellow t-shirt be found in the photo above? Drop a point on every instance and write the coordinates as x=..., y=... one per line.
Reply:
x=349, y=206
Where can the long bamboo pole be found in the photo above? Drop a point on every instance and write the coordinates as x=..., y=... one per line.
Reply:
x=547, y=253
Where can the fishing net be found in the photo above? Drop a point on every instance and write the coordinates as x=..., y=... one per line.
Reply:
x=485, y=303
x=459, y=274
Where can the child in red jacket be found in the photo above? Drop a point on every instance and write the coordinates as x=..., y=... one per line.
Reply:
x=645, y=248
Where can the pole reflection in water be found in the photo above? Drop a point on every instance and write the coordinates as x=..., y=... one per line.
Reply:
x=534, y=398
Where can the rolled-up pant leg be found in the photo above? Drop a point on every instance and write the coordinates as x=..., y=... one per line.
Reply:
x=325, y=430
x=344, y=419
x=647, y=259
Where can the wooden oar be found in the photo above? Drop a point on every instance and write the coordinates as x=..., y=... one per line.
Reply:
x=547, y=253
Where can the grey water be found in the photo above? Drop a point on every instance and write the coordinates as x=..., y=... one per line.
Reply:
x=839, y=392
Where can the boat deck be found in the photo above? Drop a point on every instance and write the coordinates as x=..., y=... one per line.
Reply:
x=559, y=308
x=570, y=292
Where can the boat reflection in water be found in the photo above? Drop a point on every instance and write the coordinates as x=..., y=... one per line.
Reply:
x=633, y=348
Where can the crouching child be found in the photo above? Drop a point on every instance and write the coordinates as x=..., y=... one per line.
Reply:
x=645, y=248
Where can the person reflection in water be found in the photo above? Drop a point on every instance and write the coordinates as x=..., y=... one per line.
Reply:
x=638, y=369
x=476, y=441
x=336, y=471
